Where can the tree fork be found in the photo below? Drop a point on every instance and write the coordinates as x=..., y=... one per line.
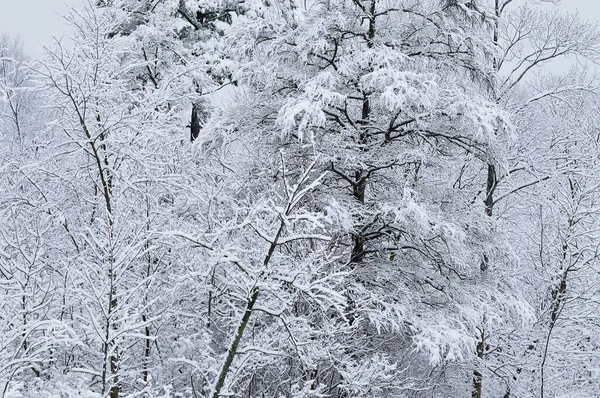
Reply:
x=247, y=313
x=234, y=345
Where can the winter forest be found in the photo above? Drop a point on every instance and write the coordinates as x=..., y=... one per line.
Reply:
x=302, y=199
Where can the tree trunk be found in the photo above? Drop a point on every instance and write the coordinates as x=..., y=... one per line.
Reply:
x=477, y=376
x=194, y=123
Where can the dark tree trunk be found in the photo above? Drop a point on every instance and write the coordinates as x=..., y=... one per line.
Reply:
x=194, y=123
x=477, y=376
x=491, y=187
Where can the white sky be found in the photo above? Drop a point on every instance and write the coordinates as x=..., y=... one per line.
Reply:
x=37, y=21
x=589, y=9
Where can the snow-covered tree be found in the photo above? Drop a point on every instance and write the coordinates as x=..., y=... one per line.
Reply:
x=381, y=199
x=391, y=102
x=115, y=140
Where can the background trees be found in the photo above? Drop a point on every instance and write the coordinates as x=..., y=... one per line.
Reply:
x=18, y=107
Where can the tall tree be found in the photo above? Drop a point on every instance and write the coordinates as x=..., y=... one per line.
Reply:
x=122, y=135
x=385, y=97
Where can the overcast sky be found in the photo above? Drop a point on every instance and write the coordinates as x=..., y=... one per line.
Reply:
x=38, y=20
x=35, y=20
x=589, y=9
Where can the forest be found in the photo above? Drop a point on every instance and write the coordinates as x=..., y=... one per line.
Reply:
x=302, y=199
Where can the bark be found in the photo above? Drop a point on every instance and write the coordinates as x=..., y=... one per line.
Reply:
x=360, y=178
x=490, y=188
x=491, y=184
x=477, y=376
x=194, y=123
